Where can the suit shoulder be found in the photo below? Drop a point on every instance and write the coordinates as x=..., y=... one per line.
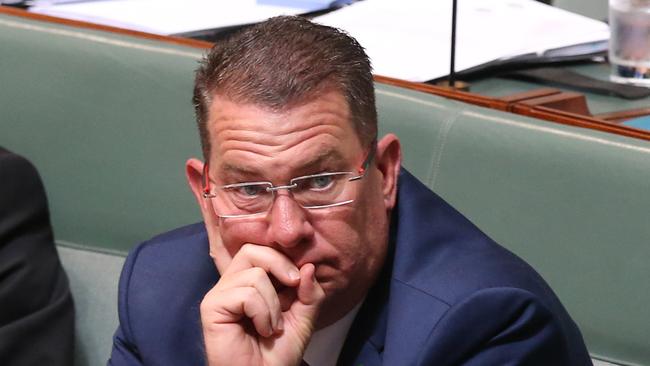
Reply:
x=165, y=263
x=170, y=251
x=439, y=251
x=509, y=325
x=25, y=180
x=165, y=277
x=155, y=270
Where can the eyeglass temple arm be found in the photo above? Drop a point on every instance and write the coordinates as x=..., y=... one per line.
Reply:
x=206, y=181
x=367, y=161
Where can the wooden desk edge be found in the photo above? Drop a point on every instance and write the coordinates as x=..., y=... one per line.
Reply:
x=516, y=107
x=475, y=99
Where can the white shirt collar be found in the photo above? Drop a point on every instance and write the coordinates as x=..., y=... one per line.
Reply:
x=326, y=344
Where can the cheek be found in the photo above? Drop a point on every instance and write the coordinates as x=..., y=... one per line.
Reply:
x=234, y=235
x=354, y=237
x=371, y=222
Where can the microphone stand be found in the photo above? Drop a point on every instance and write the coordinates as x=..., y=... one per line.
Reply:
x=452, y=68
x=451, y=81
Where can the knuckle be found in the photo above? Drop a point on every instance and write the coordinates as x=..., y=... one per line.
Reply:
x=206, y=304
x=258, y=274
x=247, y=249
x=249, y=294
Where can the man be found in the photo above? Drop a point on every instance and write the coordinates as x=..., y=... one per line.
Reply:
x=36, y=312
x=323, y=250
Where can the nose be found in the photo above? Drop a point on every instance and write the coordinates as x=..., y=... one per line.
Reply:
x=289, y=225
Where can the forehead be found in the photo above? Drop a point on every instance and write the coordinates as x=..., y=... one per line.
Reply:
x=256, y=137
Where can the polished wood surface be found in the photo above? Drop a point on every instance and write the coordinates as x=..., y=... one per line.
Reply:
x=517, y=104
x=462, y=96
x=542, y=103
x=622, y=116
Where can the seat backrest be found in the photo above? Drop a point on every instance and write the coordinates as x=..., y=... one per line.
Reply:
x=93, y=280
x=108, y=121
x=573, y=202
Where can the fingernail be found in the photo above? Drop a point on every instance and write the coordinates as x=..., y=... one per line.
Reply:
x=294, y=274
x=280, y=326
x=274, y=325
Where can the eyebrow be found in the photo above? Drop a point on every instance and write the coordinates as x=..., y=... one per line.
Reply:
x=329, y=155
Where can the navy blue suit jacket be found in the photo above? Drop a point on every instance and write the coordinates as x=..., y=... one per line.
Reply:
x=448, y=295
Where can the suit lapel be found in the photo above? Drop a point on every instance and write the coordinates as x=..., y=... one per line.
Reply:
x=397, y=317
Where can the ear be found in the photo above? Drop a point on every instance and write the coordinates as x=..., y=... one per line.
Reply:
x=195, y=179
x=194, y=175
x=389, y=161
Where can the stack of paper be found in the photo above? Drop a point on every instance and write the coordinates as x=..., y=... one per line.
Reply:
x=411, y=39
x=165, y=16
x=406, y=39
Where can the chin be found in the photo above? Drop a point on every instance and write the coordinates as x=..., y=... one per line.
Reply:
x=333, y=287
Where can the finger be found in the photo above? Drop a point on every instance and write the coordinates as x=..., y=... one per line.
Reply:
x=309, y=290
x=269, y=259
x=232, y=305
x=257, y=278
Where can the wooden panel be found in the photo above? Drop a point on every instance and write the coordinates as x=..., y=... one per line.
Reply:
x=466, y=97
x=622, y=116
x=577, y=120
x=564, y=101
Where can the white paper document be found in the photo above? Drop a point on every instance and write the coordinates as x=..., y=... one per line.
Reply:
x=411, y=39
x=166, y=16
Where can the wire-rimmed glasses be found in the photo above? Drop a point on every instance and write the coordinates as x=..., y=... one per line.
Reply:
x=315, y=191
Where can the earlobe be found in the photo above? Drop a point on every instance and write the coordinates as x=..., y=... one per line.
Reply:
x=389, y=161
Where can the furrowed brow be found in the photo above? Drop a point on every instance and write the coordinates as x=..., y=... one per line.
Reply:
x=237, y=171
x=324, y=157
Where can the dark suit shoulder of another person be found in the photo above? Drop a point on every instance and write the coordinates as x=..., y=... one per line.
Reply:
x=37, y=317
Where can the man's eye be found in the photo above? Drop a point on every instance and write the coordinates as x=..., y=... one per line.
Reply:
x=321, y=182
x=251, y=191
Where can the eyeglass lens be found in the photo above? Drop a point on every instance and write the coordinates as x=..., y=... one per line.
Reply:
x=312, y=191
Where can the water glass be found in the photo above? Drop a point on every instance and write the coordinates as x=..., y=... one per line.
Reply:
x=629, y=46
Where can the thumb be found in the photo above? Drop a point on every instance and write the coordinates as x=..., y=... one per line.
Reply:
x=309, y=295
x=309, y=291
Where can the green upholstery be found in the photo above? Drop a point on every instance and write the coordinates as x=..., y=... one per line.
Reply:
x=93, y=278
x=107, y=120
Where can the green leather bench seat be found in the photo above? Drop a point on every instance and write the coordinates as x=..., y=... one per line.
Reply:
x=107, y=120
x=93, y=283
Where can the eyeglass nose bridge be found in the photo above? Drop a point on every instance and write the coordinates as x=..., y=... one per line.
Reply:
x=288, y=187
